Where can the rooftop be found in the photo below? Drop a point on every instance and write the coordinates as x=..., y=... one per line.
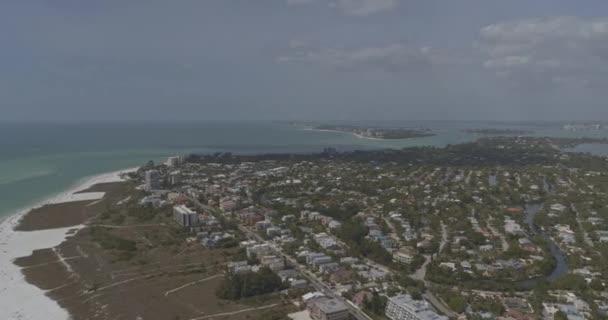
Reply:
x=419, y=307
x=327, y=305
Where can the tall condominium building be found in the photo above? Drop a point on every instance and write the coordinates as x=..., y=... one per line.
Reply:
x=175, y=177
x=152, y=180
x=403, y=307
x=174, y=161
x=184, y=216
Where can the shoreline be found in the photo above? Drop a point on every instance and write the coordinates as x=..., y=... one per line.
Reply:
x=365, y=137
x=18, y=298
x=352, y=133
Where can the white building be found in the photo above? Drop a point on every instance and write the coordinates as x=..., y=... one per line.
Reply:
x=316, y=259
x=333, y=224
x=273, y=262
x=273, y=231
x=323, y=308
x=152, y=180
x=558, y=207
x=403, y=307
x=404, y=255
x=175, y=177
x=512, y=227
x=325, y=241
x=239, y=267
x=184, y=216
x=259, y=250
x=174, y=161
x=602, y=235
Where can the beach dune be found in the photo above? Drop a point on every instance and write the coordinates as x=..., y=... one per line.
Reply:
x=18, y=298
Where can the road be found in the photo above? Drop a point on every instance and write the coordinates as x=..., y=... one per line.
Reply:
x=420, y=274
x=168, y=292
x=312, y=279
x=319, y=285
x=503, y=239
x=430, y=297
x=586, y=237
x=224, y=314
x=393, y=234
x=444, y=237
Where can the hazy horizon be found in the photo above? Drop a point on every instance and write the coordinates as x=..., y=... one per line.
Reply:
x=293, y=121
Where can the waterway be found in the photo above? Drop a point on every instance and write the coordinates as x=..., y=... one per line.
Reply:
x=532, y=208
x=559, y=257
x=561, y=266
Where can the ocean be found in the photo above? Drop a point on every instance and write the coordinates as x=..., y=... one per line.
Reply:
x=39, y=160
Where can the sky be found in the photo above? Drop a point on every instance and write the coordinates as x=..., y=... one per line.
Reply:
x=200, y=60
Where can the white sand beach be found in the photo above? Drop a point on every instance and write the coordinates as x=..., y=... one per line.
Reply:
x=19, y=299
x=345, y=132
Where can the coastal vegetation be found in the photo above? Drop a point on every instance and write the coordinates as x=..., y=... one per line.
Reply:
x=124, y=248
x=239, y=286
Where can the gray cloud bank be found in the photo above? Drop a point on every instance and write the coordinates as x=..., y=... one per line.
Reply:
x=303, y=59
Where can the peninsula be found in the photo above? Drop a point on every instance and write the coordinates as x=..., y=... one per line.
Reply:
x=378, y=132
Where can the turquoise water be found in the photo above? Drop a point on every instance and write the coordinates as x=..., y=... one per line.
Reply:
x=40, y=160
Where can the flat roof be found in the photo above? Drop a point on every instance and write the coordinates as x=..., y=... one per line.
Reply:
x=330, y=305
x=419, y=307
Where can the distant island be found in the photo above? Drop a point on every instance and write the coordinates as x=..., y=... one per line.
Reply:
x=378, y=133
x=565, y=143
x=575, y=127
x=493, y=131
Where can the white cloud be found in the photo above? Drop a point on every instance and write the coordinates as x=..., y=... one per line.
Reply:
x=393, y=57
x=299, y=2
x=549, y=63
x=508, y=61
x=353, y=7
x=562, y=50
x=296, y=44
x=363, y=7
x=540, y=29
